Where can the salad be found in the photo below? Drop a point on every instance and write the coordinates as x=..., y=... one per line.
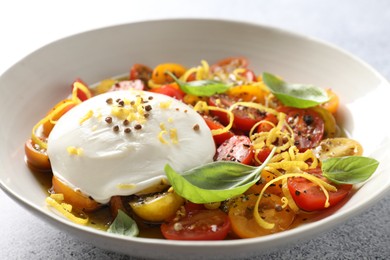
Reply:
x=202, y=153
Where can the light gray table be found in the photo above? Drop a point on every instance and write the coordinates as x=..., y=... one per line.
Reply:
x=361, y=27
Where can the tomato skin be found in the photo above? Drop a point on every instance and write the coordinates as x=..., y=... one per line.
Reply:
x=141, y=72
x=38, y=159
x=244, y=118
x=74, y=198
x=169, y=90
x=242, y=220
x=211, y=224
x=228, y=65
x=159, y=75
x=214, y=125
x=308, y=196
x=307, y=125
x=238, y=148
x=266, y=127
x=80, y=94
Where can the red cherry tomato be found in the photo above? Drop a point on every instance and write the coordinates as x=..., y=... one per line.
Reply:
x=141, y=72
x=307, y=125
x=308, y=196
x=169, y=90
x=214, y=125
x=266, y=127
x=244, y=117
x=237, y=148
x=228, y=65
x=211, y=224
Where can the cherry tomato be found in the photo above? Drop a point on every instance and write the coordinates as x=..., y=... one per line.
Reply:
x=262, y=155
x=270, y=209
x=214, y=125
x=228, y=65
x=157, y=207
x=198, y=225
x=159, y=75
x=307, y=125
x=308, y=196
x=59, y=111
x=128, y=84
x=169, y=90
x=266, y=176
x=265, y=126
x=141, y=72
x=244, y=117
x=238, y=148
x=74, y=198
x=36, y=156
x=80, y=94
x=333, y=104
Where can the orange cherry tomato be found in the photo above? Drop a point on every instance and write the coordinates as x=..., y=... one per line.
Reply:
x=36, y=156
x=243, y=222
x=74, y=198
x=266, y=176
x=159, y=75
x=248, y=93
x=58, y=111
x=333, y=104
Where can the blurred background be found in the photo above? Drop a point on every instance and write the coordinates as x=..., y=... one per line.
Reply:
x=362, y=27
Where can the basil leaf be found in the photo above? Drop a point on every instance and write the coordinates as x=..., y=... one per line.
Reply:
x=349, y=169
x=295, y=95
x=124, y=225
x=215, y=181
x=204, y=88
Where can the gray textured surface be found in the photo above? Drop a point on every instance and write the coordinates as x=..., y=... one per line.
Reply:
x=361, y=27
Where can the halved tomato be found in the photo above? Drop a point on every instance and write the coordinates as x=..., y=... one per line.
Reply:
x=244, y=117
x=141, y=72
x=214, y=125
x=205, y=224
x=170, y=90
x=36, y=156
x=238, y=148
x=307, y=125
x=74, y=198
x=309, y=196
x=243, y=222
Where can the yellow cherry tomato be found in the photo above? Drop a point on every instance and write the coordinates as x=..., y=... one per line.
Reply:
x=157, y=207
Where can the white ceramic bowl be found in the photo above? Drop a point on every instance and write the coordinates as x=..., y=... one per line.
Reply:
x=41, y=79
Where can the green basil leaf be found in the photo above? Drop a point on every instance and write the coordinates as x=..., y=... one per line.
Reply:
x=215, y=181
x=203, y=88
x=295, y=95
x=349, y=169
x=124, y=225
